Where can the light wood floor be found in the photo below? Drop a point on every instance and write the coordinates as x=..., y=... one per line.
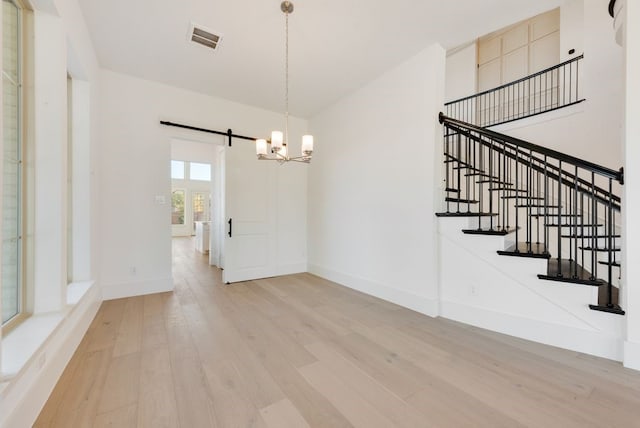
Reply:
x=300, y=351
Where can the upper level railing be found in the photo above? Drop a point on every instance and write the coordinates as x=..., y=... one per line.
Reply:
x=546, y=90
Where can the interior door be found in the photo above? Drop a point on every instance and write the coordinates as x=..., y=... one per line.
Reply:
x=249, y=240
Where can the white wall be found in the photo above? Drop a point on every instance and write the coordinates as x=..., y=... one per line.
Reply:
x=631, y=241
x=373, y=181
x=135, y=155
x=461, y=75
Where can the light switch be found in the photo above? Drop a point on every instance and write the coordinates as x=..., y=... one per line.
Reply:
x=161, y=200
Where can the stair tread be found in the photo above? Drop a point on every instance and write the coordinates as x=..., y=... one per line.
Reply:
x=603, y=300
x=465, y=214
x=467, y=166
x=481, y=174
x=589, y=236
x=507, y=189
x=490, y=232
x=606, y=263
x=589, y=248
x=462, y=201
x=571, y=225
x=540, y=206
x=452, y=190
x=569, y=271
x=494, y=181
x=524, y=249
x=532, y=198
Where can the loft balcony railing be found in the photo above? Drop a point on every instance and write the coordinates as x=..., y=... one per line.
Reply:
x=550, y=89
x=557, y=206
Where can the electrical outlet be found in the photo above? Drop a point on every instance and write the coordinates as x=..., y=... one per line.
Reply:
x=473, y=290
x=133, y=271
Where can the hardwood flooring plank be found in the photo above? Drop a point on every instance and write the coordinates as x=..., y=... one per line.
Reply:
x=359, y=412
x=129, y=337
x=157, y=406
x=363, y=385
x=231, y=403
x=80, y=403
x=283, y=414
x=124, y=417
x=121, y=384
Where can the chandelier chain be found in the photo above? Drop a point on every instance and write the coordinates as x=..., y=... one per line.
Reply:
x=286, y=83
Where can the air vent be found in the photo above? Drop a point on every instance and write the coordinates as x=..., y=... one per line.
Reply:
x=205, y=37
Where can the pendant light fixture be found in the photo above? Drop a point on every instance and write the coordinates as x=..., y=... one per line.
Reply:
x=280, y=149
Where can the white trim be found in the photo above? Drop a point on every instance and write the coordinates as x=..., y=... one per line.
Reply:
x=136, y=288
x=424, y=305
x=589, y=342
x=290, y=269
x=547, y=116
x=22, y=398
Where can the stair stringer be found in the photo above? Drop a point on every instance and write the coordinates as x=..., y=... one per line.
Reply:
x=503, y=294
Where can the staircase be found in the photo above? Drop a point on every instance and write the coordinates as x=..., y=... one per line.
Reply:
x=552, y=206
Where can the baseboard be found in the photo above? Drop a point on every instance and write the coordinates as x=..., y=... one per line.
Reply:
x=632, y=355
x=403, y=298
x=25, y=395
x=136, y=288
x=292, y=268
x=575, y=339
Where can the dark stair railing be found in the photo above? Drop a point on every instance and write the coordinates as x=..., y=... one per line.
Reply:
x=554, y=203
x=546, y=90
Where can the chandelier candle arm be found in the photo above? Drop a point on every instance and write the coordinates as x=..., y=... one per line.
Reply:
x=280, y=149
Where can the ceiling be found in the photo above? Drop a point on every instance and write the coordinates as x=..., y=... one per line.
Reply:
x=335, y=46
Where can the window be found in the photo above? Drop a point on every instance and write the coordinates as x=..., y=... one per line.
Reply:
x=177, y=207
x=200, y=203
x=177, y=170
x=12, y=167
x=200, y=171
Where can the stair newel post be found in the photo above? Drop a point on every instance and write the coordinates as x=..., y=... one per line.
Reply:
x=447, y=168
x=546, y=204
x=559, y=227
x=459, y=156
x=575, y=222
x=610, y=246
x=594, y=228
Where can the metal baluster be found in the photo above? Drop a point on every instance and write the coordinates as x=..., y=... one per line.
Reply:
x=517, y=195
x=528, y=204
x=610, y=247
x=491, y=182
x=559, y=273
x=459, y=157
x=575, y=221
x=546, y=204
x=594, y=228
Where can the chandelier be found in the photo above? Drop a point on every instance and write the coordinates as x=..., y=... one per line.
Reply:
x=279, y=141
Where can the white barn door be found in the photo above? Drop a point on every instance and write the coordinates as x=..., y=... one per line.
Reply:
x=250, y=235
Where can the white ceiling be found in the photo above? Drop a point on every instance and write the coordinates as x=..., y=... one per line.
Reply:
x=335, y=46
